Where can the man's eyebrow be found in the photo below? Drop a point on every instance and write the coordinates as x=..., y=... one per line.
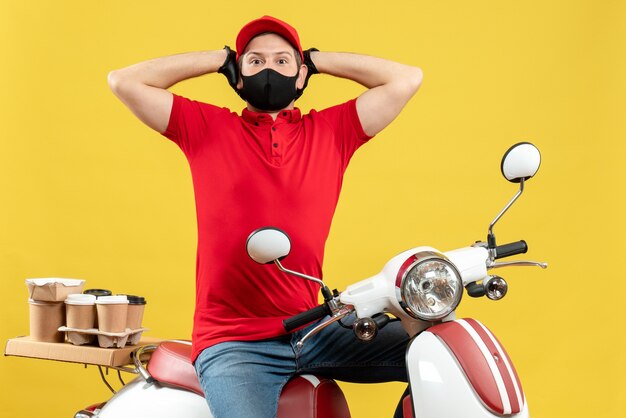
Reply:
x=259, y=53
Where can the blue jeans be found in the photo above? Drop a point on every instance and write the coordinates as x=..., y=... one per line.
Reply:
x=243, y=379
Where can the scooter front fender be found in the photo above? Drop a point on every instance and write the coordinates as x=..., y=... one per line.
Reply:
x=139, y=399
x=458, y=369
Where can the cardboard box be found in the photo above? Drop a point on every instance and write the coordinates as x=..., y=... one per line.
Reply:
x=110, y=357
x=53, y=289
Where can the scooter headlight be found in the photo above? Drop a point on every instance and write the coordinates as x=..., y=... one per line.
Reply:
x=428, y=286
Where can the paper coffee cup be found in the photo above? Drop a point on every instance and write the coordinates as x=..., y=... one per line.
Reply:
x=80, y=311
x=98, y=293
x=45, y=320
x=112, y=313
x=136, y=306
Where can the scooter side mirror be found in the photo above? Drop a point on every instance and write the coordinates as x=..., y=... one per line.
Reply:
x=520, y=162
x=265, y=245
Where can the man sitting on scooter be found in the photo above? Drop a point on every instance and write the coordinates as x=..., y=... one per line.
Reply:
x=269, y=165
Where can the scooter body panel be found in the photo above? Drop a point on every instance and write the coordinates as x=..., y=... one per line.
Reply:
x=139, y=399
x=440, y=385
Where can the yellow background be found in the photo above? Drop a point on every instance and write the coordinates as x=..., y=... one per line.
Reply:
x=88, y=192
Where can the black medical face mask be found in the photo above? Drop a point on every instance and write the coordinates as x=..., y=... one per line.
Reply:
x=269, y=90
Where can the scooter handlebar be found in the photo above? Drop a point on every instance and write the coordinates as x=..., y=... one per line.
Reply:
x=306, y=317
x=507, y=250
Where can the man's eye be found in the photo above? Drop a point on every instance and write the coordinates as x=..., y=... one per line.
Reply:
x=256, y=62
x=282, y=61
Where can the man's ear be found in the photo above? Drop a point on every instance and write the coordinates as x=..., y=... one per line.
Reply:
x=239, y=83
x=301, y=77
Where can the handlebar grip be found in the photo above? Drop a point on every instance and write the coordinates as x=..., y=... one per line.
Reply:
x=305, y=317
x=506, y=250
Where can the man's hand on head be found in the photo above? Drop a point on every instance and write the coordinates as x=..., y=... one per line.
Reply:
x=229, y=68
x=312, y=69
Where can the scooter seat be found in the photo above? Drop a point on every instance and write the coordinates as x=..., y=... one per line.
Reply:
x=171, y=364
x=303, y=396
x=307, y=396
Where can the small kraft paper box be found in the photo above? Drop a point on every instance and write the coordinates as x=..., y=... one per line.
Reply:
x=53, y=289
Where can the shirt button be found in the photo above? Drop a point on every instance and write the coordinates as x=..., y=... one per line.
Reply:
x=256, y=123
x=273, y=128
x=284, y=113
x=275, y=145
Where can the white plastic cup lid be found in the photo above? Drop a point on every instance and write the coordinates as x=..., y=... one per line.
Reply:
x=80, y=299
x=111, y=300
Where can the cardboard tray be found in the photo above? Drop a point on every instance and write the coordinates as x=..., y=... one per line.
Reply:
x=110, y=357
x=105, y=339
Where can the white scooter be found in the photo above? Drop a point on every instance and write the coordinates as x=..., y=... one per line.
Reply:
x=456, y=367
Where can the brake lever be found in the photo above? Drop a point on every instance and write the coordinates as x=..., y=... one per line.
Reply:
x=340, y=314
x=498, y=264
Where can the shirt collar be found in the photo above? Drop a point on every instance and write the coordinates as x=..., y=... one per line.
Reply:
x=259, y=118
